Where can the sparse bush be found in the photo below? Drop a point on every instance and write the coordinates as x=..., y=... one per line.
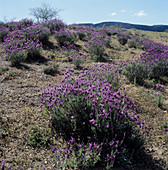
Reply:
x=114, y=33
x=122, y=40
x=96, y=47
x=77, y=61
x=44, y=13
x=132, y=44
x=159, y=69
x=51, y=70
x=3, y=69
x=16, y=58
x=38, y=137
x=159, y=99
x=136, y=72
x=51, y=55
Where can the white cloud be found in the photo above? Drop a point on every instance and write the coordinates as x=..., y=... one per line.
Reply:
x=123, y=10
x=113, y=13
x=140, y=14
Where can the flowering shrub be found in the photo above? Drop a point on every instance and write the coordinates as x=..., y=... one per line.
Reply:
x=97, y=44
x=96, y=47
x=54, y=25
x=155, y=58
x=160, y=87
x=70, y=51
x=18, y=48
x=64, y=36
x=33, y=49
x=24, y=23
x=37, y=32
x=3, y=33
x=88, y=111
x=85, y=157
x=19, y=25
x=81, y=35
x=153, y=61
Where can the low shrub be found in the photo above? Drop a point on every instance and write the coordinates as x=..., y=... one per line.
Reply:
x=132, y=44
x=63, y=36
x=3, y=69
x=159, y=99
x=77, y=61
x=122, y=40
x=33, y=50
x=136, y=72
x=37, y=32
x=3, y=33
x=51, y=70
x=17, y=57
x=54, y=25
x=19, y=25
x=87, y=112
x=38, y=137
x=15, y=51
x=96, y=47
x=81, y=35
x=18, y=48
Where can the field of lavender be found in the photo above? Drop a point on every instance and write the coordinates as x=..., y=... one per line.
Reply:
x=78, y=97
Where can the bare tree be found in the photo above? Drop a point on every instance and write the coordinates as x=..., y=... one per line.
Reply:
x=44, y=13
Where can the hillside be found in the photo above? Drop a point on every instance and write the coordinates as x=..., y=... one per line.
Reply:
x=76, y=97
x=155, y=28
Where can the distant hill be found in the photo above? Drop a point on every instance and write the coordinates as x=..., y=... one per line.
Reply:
x=157, y=28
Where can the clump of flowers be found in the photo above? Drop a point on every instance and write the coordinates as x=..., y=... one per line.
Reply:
x=88, y=110
x=160, y=87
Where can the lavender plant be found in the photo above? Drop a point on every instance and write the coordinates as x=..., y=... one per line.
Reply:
x=54, y=25
x=37, y=32
x=3, y=33
x=64, y=36
x=18, y=48
x=88, y=110
x=96, y=48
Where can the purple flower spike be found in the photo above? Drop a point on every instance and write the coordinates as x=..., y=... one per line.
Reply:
x=53, y=149
x=3, y=165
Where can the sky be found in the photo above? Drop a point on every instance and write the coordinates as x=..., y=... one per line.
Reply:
x=148, y=12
